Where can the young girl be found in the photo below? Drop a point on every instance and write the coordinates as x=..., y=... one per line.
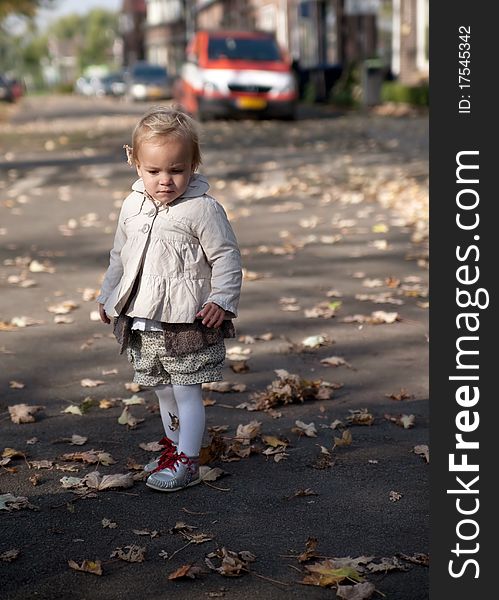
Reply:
x=172, y=286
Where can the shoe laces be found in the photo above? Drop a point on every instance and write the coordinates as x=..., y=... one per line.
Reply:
x=170, y=449
x=172, y=460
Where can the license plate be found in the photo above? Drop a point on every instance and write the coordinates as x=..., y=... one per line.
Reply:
x=249, y=103
x=155, y=92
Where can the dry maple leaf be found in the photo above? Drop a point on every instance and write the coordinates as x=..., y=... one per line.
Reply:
x=213, y=451
x=24, y=413
x=232, y=564
x=87, y=566
x=395, y=496
x=130, y=553
x=418, y=559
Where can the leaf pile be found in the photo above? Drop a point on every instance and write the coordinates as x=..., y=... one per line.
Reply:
x=290, y=388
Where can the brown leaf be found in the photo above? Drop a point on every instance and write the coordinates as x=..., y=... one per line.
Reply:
x=108, y=523
x=310, y=552
x=402, y=395
x=240, y=366
x=345, y=440
x=24, y=413
x=10, y=555
x=232, y=564
x=245, y=433
x=186, y=571
x=130, y=553
x=213, y=451
x=87, y=566
x=16, y=385
x=96, y=481
x=360, y=417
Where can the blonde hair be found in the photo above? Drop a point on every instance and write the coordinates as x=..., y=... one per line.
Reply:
x=160, y=122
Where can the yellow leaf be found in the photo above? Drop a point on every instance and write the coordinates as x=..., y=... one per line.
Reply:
x=88, y=566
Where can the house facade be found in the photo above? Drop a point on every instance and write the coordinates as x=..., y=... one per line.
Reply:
x=317, y=34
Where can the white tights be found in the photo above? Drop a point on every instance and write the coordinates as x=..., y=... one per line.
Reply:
x=183, y=415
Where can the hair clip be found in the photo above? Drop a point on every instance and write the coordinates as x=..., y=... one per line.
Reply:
x=128, y=150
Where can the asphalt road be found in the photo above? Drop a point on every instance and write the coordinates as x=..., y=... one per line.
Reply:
x=329, y=209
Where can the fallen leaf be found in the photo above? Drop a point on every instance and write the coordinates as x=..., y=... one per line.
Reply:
x=73, y=410
x=210, y=474
x=345, y=440
x=422, y=450
x=96, y=481
x=405, y=421
x=91, y=382
x=10, y=555
x=311, y=550
x=395, y=496
x=126, y=418
x=10, y=502
x=326, y=574
x=107, y=523
x=133, y=400
x=360, y=417
x=245, y=433
x=335, y=361
x=24, y=413
x=314, y=341
x=358, y=591
x=402, y=395
x=16, y=385
x=232, y=564
x=302, y=428
x=77, y=440
x=87, y=566
x=153, y=534
x=133, y=387
x=130, y=553
x=186, y=571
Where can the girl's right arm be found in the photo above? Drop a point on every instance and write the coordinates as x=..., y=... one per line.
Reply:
x=115, y=270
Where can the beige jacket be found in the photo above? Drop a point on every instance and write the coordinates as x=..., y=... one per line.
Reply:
x=187, y=254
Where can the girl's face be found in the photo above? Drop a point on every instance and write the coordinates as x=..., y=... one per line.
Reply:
x=165, y=167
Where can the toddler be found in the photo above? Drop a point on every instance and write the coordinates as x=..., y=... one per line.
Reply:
x=172, y=287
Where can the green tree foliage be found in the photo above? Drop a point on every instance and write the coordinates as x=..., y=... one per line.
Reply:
x=25, y=8
x=92, y=35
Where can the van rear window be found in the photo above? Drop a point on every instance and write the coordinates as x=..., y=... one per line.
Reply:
x=243, y=49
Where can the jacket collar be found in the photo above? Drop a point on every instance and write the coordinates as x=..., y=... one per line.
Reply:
x=198, y=185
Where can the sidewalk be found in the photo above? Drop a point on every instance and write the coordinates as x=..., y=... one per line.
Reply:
x=331, y=217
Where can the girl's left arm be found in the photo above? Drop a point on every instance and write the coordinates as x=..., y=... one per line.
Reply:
x=220, y=246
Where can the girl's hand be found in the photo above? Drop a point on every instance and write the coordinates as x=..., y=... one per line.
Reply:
x=212, y=315
x=103, y=316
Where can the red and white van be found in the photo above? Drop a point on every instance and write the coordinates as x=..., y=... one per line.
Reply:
x=236, y=72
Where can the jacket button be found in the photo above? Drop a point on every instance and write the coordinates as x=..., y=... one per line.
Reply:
x=146, y=228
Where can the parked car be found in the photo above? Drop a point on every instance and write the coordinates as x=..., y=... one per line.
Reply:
x=6, y=93
x=147, y=81
x=234, y=72
x=114, y=84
